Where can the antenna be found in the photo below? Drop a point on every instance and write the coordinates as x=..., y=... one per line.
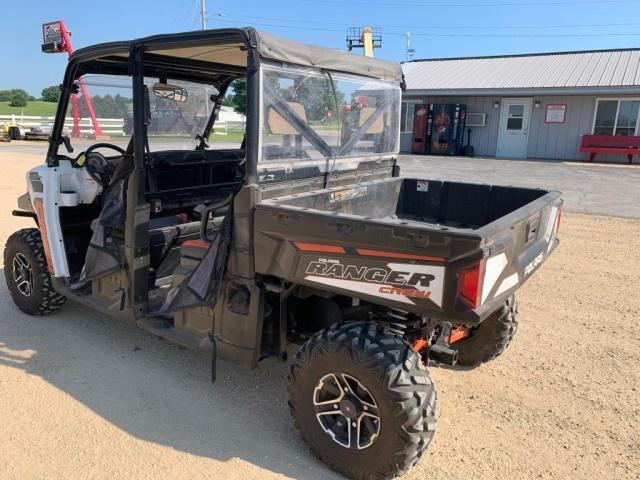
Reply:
x=409, y=52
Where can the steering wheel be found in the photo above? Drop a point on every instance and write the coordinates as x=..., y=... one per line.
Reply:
x=98, y=166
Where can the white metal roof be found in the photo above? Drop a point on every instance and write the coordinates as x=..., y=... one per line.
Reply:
x=568, y=73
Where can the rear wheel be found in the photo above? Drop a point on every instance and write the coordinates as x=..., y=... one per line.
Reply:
x=491, y=338
x=27, y=274
x=362, y=400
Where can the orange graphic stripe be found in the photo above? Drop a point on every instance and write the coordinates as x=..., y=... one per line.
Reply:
x=407, y=256
x=196, y=244
x=39, y=208
x=318, y=247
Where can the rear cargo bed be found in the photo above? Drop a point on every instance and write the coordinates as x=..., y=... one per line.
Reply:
x=439, y=203
x=339, y=238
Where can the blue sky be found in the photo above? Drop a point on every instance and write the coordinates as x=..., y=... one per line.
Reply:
x=440, y=28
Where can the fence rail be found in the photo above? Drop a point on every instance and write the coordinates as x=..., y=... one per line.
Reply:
x=110, y=126
x=225, y=128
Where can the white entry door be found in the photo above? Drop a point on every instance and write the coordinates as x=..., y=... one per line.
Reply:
x=514, y=128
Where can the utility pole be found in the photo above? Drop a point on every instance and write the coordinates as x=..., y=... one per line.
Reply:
x=367, y=42
x=203, y=14
x=366, y=38
x=408, y=55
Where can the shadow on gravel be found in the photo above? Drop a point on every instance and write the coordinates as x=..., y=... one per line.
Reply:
x=157, y=391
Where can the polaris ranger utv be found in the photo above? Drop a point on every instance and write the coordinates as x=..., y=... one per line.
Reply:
x=302, y=233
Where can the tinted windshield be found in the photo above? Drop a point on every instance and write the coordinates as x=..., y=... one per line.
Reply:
x=172, y=124
x=309, y=114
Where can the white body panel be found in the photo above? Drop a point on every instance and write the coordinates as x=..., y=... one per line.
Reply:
x=61, y=186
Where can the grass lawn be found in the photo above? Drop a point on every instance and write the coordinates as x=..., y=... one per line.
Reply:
x=229, y=137
x=40, y=109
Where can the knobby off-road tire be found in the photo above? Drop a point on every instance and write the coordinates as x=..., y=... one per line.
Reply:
x=395, y=380
x=24, y=249
x=491, y=338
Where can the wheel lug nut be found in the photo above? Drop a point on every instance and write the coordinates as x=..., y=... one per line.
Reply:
x=353, y=424
x=366, y=408
x=335, y=406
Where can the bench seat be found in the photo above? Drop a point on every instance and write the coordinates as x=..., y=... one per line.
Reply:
x=612, y=144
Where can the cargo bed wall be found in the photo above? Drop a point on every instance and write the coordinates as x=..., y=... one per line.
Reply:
x=460, y=205
x=372, y=199
x=450, y=204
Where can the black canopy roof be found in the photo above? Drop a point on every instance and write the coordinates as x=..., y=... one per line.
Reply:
x=228, y=49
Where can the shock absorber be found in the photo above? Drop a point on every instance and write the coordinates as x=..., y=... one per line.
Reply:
x=427, y=337
x=402, y=323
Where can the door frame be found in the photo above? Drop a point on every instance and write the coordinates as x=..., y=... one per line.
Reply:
x=528, y=100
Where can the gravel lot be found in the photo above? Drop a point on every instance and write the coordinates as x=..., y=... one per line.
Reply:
x=86, y=396
x=598, y=188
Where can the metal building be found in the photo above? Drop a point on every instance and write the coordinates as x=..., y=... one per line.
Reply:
x=534, y=105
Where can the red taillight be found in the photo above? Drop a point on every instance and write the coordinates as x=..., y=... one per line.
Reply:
x=558, y=218
x=470, y=284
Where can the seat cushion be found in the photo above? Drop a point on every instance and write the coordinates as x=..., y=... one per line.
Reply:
x=165, y=243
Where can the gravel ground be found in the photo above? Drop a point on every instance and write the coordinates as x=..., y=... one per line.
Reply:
x=594, y=188
x=83, y=395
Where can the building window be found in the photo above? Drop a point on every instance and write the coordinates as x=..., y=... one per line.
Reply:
x=616, y=117
x=406, y=120
x=515, y=117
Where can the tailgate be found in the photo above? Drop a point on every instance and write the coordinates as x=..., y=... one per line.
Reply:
x=516, y=245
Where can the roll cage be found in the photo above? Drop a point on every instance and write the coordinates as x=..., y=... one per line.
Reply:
x=215, y=57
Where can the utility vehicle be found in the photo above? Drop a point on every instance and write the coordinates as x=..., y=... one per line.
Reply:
x=302, y=233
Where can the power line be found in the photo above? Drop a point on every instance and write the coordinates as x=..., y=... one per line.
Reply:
x=279, y=26
x=526, y=35
x=449, y=35
x=194, y=15
x=432, y=27
x=176, y=15
x=475, y=4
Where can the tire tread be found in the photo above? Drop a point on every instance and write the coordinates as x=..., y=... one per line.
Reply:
x=492, y=338
x=403, y=375
x=46, y=300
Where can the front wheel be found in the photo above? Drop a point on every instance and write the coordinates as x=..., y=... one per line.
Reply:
x=491, y=338
x=362, y=400
x=27, y=274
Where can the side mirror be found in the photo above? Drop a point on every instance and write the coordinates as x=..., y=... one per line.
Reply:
x=170, y=92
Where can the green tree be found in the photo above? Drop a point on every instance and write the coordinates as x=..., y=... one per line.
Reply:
x=228, y=100
x=239, y=96
x=19, y=99
x=317, y=96
x=7, y=95
x=106, y=106
x=51, y=94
